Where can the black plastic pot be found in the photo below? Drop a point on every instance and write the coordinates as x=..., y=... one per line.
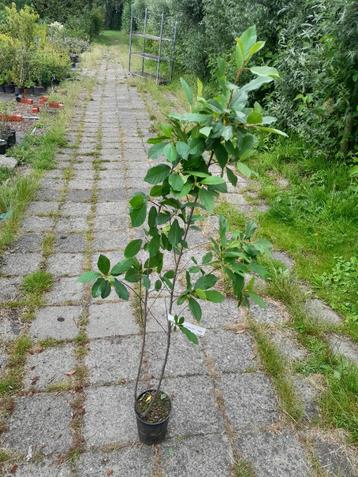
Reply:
x=39, y=90
x=19, y=90
x=3, y=146
x=11, y=139
x=148, y=432
x=9, y=88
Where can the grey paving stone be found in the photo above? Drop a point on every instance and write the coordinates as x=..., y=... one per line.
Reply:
x=82, y=196
x=342, y=345
x=49, y=367
x=320, y=312
x=75, y=209
x=287, y=344
x=111, y=223
x=65, y=290
x=250, y=400
x=184, y=357
x=20, y=263
x=46, y=193
x=10, y=323
x=111, y=319
x=28, y=243
x=231, y=352
x=273, y=313
x=70, y=243
x=203, y=456
x=59, y=322
x=275, y=454
x=78, y=184
x=104, y=241
x=284, y=258
x=191, y=414
x=37, y=224
x=66, y=264
x=41, y=422
x=110, y=416
x=8, y=162
x=114, y=360
x=72, y=225
x=53, y=184
x=126, y=462
x=9, y=288
x=334, y=458
x=3, y=357
x=111, y=195
x=84, y=174
x=217, y=315
x=308, y=390
x=120, y=208
x=237, y=200
x=45, y=468
x=37, y=208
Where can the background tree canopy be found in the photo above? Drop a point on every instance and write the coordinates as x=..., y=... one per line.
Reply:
x=313, y=43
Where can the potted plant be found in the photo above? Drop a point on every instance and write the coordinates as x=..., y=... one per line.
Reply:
x=7, y=133
x=218, y=134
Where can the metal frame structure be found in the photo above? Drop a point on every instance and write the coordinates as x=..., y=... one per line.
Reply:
x=159, y=58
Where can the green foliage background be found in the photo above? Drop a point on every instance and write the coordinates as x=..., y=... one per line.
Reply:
x=313, y=43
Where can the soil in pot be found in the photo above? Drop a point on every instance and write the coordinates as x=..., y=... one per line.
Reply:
x=153, y=427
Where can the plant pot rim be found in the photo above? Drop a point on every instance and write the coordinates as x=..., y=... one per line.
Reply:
x=152, y=423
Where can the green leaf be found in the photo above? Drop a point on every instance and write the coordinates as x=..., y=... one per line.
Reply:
x=187, y=90
x=248, y=38
x=227, y=133
x=265, y=71
x=207, y=258
x=254, y=117
x=137, y=200
x=121, y=290
x=244, y=169
x=176, y=181
x=158, y=285
x=105, y=289
x=199, y=87
x=175, y=233
x=239, y=54
x=221, y=155
x=103, y=264
x=256, y=83
x=214, y=296
x=189, y=334
x=206, y=281
x=133, y=275
x=122, y=267
x=231, y=177
x=157, y=174
x=183, y=149
x=191, y=117
x=256, y=47
x=213, y=180
x=207, y=199
x=89, y=277
x=273, y=131
x=170, y=152
x=97, y=287
x=157, y=150
x=258, y=300
x=132, y=248
x=138, y=215
x=206, y=131
x=195, y=309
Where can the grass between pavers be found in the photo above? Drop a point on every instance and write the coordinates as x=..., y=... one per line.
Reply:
x=276, y=366
x=338, y=404
x=242, y=468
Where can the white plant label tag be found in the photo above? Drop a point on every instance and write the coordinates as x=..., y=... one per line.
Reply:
x=197, y=330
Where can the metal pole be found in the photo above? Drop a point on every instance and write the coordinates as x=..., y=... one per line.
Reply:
x=144, y=33
x=130, y=39
x=173, y=51
x=160, y=47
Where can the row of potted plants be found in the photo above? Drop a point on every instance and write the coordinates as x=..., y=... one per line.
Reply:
x=34, y=55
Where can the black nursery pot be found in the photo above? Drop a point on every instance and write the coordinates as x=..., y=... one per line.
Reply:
x=3, y=146
x=151, y=433
x=39, y=90
x=9, y=88
x=11, y=139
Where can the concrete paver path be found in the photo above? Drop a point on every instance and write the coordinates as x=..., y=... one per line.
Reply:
x=74, y=416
